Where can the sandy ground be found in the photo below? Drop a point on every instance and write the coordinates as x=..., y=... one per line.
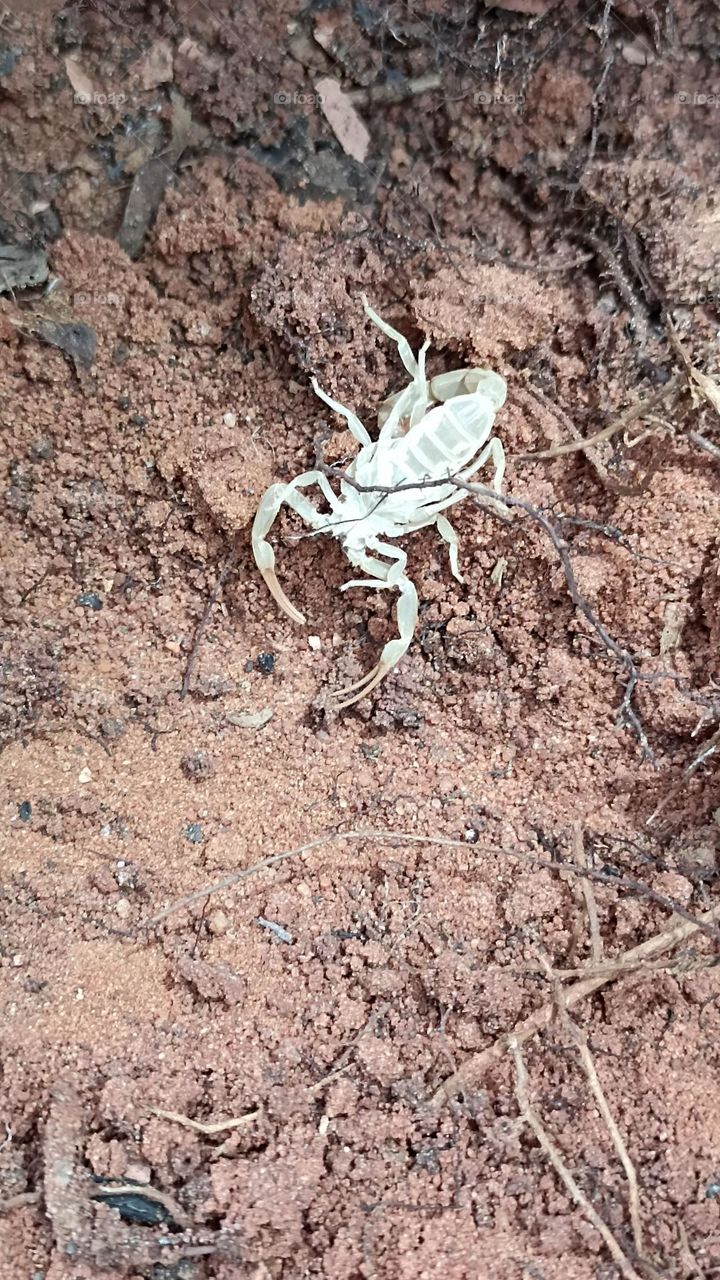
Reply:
x=218, y=1067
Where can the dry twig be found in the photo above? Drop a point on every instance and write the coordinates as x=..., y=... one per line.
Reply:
x=618, y=1141
x=19, y=1201
x=343, y=1061
x=616, y=879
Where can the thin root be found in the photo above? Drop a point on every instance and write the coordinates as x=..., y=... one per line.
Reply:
x=577, y=1195
x=471, y=1071
x=201, y=1126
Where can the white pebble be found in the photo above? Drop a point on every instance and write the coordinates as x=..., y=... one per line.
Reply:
x=218, y=923
x=315, y=643
x=85, y=775
x=230, y=419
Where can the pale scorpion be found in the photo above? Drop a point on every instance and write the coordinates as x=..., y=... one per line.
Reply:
x=431, y=431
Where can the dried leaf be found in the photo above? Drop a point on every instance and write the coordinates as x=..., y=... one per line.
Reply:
x=674, y=621
x=707, y=387
x=77, y=340
x=156, y=67
x=82, y=84
x=343, y=119
x=21, y=268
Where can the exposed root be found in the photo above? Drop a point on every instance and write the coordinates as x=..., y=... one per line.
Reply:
x=634, y=413
x=596, y=946
x=201, y=1126
x=469, y=1075
x=201, y=628
x=709, y=749
x=577, y=1194
x=618, y=881
x=345, y=1058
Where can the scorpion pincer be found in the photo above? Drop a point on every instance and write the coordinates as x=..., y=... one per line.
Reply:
x=433, y=431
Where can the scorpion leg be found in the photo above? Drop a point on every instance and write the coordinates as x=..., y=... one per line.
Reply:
x=407, y=614
x=448, y=534
x=432, y=513
x=493, y=450
x=265, y=517
x=359, y=431
x=415, y=369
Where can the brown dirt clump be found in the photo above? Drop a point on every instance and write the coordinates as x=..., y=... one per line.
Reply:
x=219, y=1062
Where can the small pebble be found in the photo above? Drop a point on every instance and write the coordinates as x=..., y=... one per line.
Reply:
x=122, y=908
x=126, y=875
x=197, y=766
x=111, y=728
x=230, y=419
x=85, y=775
x=25, y=811
x=277, y=929
x=90, y=600
x=315, y=643
x=218, y=923
x=266, y=663
x=42, y=450
x=194, y=833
